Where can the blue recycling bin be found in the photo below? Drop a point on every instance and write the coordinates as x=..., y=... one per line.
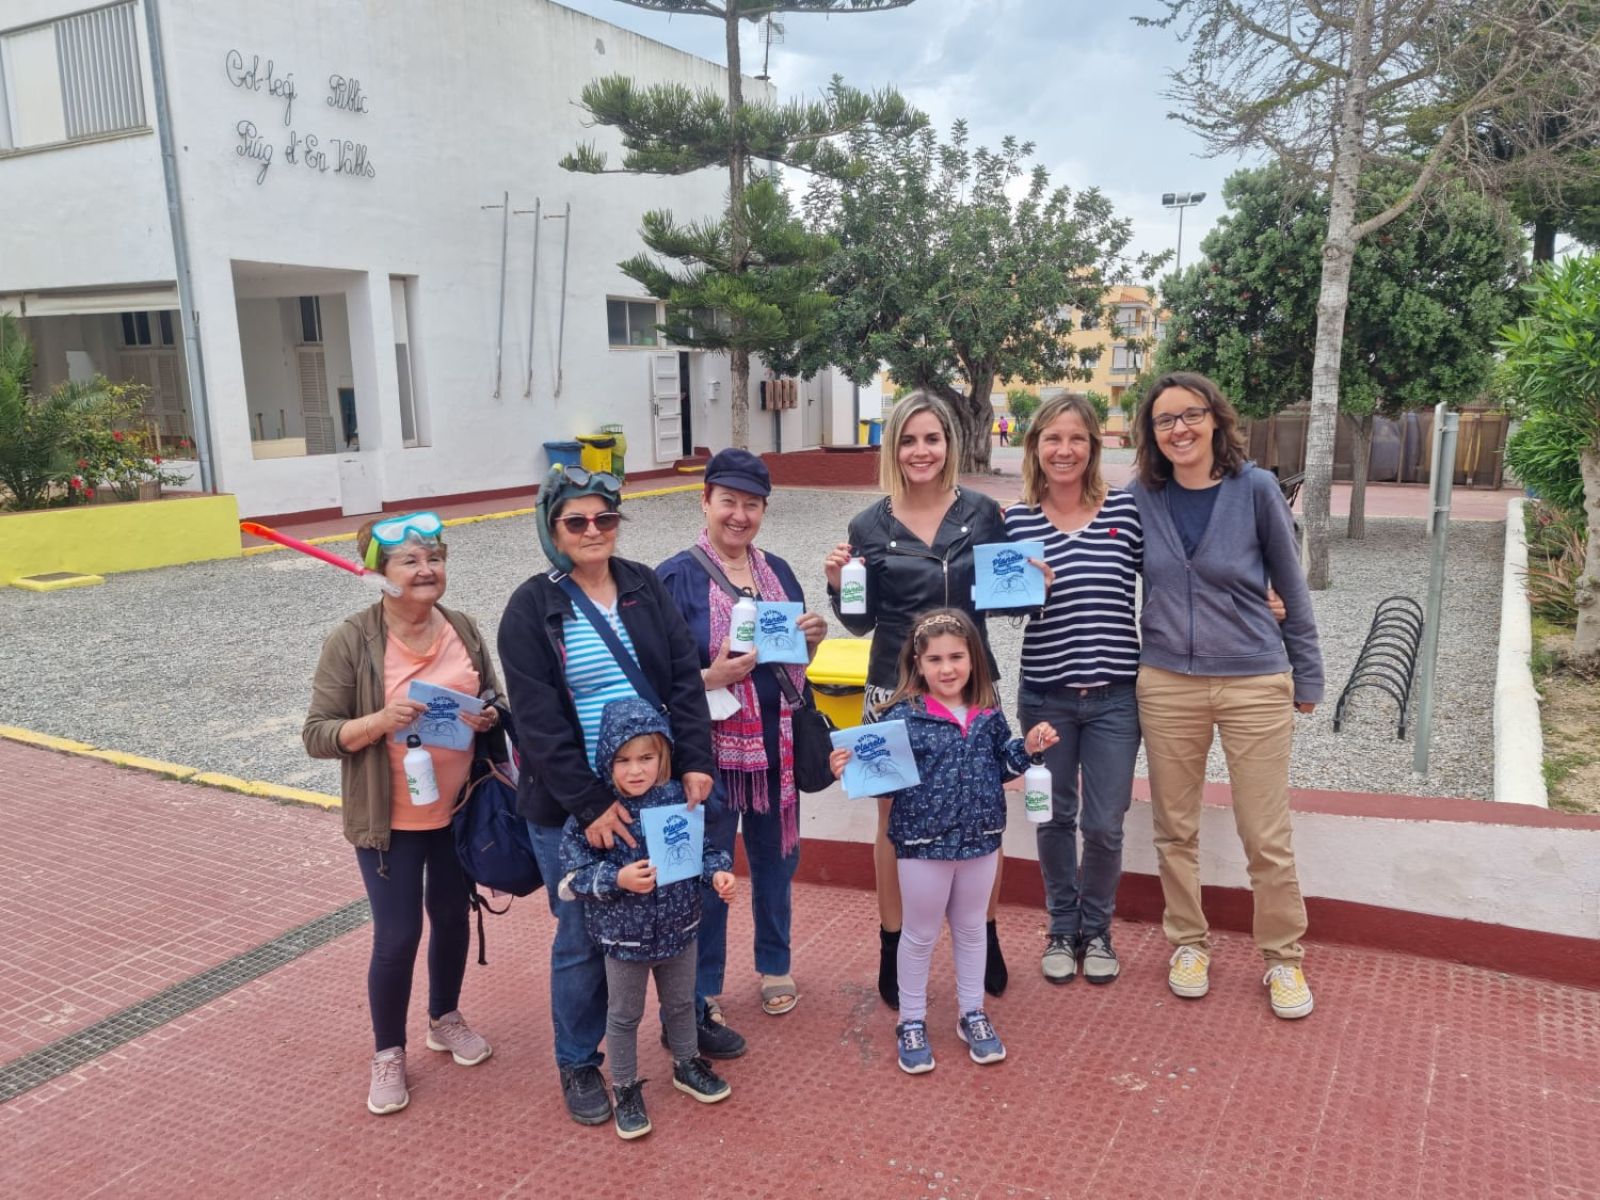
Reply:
x=875, y=432
x=568, y=454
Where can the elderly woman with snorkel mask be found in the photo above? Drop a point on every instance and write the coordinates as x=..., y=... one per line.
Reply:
x=404, y=846
x=595, y=628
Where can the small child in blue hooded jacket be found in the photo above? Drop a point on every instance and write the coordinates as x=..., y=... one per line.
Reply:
x=946, y=830
x=642, y=928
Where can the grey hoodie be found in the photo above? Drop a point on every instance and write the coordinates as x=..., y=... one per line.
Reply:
x=1208, y=615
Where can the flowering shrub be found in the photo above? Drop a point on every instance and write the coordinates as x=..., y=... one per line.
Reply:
x=112, y=450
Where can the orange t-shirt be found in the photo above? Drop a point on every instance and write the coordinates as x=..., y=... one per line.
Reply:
x=446, y=664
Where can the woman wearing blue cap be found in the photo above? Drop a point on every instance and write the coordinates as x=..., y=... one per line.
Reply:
x=595, y=628
x=754, y=742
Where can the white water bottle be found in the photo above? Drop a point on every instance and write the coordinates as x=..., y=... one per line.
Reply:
x=420, y=781
x=853, y=587
x=1036, y=792
x=742, y=626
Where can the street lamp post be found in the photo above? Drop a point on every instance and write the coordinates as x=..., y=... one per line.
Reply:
x=1181, y=201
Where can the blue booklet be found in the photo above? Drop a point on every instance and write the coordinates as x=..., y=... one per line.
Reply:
x=675, y=839
x=441, y=725
x=778, y=637
x=1004, y=576
x=880, y=759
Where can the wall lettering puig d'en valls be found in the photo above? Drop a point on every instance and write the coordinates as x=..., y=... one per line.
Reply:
x=341, y=156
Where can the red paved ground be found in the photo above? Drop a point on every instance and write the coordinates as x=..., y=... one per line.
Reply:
x=1413, y=1078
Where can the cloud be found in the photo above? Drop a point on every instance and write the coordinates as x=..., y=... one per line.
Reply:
x=1077, y=78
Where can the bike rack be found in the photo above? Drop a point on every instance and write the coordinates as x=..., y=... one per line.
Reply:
x=1388, y=657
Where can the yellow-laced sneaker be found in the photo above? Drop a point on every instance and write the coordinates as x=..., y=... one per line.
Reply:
x=1189, y=975
x=1291, y=997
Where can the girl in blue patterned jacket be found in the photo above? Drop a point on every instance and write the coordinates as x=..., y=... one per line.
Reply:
x=946, y=830
x=642, y=928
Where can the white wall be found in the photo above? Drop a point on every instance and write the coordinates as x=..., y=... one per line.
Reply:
x=465, y=102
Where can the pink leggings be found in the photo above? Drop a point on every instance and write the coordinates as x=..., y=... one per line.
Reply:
x=932, y=890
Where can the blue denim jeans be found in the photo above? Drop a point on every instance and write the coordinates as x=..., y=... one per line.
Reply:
x=1099, y=731
x=577, y=968
x=770, y=894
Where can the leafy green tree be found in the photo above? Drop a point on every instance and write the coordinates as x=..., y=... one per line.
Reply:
x=1428, y=293
x=1552, y=367
x=1334, y=90
x=672, y=129
x=952, y=271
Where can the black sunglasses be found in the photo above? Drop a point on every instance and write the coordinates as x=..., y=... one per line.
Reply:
x=578, y=523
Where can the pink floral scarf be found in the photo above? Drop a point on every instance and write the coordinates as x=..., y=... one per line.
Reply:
x=737, y=742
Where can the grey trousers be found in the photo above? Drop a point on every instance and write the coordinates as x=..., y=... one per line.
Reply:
x=625, y=987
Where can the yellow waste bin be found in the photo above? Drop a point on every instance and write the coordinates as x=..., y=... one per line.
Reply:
x=619, y=452
x=597, y=451
x=838, y=677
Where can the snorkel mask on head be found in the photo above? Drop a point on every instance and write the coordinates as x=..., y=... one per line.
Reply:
x=389, y=535
x=567, y=483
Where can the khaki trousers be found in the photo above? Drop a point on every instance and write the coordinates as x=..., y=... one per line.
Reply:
x=1255, y=716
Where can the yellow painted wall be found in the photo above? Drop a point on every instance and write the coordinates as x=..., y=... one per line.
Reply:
x=100, y=539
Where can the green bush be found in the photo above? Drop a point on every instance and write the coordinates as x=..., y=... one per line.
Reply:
x=1022, y=404
x=1556, y=542
x=1102, y=406
x=1543, y=453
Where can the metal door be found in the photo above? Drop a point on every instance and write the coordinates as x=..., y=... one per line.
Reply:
x=666, y=407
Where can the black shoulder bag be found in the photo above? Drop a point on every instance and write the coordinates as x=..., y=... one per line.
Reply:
x=812, y=745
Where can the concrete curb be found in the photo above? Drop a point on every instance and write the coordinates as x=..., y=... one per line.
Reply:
x=169, y=770
x=1518, y=735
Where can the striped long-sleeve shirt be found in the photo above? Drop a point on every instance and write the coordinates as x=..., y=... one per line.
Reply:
x=1086, y=635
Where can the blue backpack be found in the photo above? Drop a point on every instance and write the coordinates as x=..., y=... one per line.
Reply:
x=491, y=836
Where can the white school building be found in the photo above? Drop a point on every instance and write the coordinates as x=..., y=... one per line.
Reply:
x=397, y=292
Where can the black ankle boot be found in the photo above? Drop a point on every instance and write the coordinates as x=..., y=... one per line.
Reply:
x=889, y=966
x=995, y=975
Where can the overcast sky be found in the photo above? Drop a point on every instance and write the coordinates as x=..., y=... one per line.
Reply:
x=1076, y=77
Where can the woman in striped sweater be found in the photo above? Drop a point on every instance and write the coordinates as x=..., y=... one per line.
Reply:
x=1080, y=660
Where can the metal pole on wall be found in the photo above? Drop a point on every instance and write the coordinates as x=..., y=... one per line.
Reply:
x=500, y=336
x=533, y=291
x=194, y=365
x=1442, y=481
x=561, y=325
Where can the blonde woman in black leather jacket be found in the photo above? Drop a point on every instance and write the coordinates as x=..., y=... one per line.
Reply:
x=917, y=544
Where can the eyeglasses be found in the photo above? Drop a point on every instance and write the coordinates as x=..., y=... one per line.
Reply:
x=396, y=531
x=578, y=523
x=1189, y=416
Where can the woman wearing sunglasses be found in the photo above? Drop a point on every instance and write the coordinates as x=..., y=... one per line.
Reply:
x=405, y=849
x=596, y=628
x=1214, y=659
x=754, y=742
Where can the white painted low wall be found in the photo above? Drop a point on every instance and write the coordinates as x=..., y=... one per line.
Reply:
x=1518, y=735
x=1540, y=878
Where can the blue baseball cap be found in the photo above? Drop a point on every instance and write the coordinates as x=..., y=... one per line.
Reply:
x=739, y=470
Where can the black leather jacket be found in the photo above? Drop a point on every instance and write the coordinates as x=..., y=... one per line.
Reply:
x=906, y=577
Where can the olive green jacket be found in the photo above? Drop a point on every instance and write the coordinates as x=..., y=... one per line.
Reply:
x=349, y=684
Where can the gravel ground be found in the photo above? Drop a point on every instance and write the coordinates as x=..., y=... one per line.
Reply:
x=210, y=665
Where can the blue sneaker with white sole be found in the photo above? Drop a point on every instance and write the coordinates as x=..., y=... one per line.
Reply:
x=916, y=1056
x=983, y=1043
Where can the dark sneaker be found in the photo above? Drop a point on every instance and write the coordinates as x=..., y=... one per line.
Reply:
x=983, y=1043
x=995, y=974
x=1060, y=961
x=632, y=1120
x=916, y=1056
x=585, y=1092
x=1100, y=963
x=695, y=1076
x=714, y=1040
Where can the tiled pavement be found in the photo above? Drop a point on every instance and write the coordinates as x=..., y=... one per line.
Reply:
x=1414, y=1078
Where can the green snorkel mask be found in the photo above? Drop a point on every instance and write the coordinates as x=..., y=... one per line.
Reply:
x=567, y=483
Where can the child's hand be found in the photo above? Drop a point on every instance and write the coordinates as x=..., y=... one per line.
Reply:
x=1040, y=738
x=722, y=881
x=637, y=877
x=837, y=761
